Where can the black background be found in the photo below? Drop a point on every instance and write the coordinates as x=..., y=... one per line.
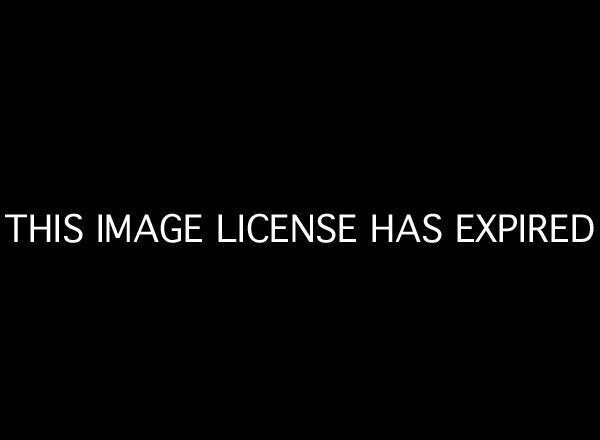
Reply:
x=381, y=113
